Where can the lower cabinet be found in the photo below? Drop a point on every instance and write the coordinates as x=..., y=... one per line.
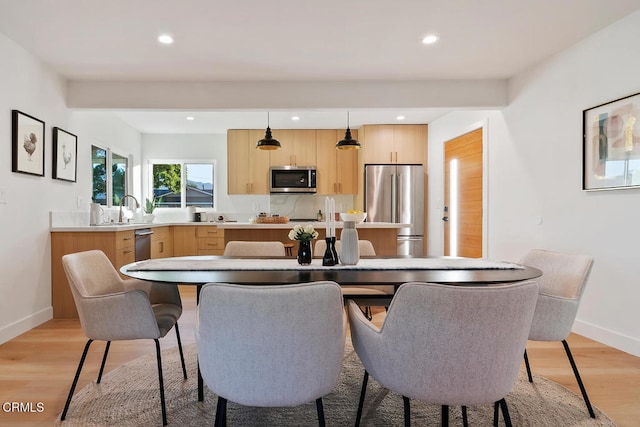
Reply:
x=198, y=240
x=161, y=242
x=119, y=246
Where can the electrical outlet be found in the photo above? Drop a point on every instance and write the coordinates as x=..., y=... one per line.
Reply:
x=3, y=196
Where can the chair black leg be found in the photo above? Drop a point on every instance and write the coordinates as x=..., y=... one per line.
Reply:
x=575, y=372
x=75, y=380
x=104, y=360
x=221, y=412
x=320, y=409
x=496, y=413
x=444, y=415
x=184, y=368
x=465, y=420
x=505, y=412
x=362, y=392
x=407, y=411
x=162, y=403
x=526, y=364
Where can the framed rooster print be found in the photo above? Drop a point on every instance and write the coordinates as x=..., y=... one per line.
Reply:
x=28, y=144
x=65, y=155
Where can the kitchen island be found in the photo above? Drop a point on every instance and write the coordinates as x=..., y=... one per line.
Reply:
x=117, y=241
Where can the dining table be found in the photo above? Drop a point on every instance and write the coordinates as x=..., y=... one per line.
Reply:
x=368, y=272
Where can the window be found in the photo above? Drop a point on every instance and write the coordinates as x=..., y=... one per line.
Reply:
x=108, y=187
x=182, y=183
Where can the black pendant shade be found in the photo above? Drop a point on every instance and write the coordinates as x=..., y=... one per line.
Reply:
x=348, y=143
x=268, y=142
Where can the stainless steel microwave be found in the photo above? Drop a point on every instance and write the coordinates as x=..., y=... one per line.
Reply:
x=292, y=179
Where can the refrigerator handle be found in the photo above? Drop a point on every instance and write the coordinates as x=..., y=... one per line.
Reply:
x=400, y=199
x=394, y=197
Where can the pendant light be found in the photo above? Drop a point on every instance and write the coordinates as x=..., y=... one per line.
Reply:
x=348, y=143
x=268, y=142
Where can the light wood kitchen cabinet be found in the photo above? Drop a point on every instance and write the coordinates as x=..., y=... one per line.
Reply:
x=337, y=169
x=247, y=167
x=198, y=240
x=298, y=147
x=119, y=246
x=391, y=144
x=161, y=242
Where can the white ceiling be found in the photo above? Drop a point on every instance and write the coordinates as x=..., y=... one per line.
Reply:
x=286, y=40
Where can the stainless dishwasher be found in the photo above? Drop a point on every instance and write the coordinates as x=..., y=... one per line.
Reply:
x=143, y=243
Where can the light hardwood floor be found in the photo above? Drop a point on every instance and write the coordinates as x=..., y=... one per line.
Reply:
x=39, y=365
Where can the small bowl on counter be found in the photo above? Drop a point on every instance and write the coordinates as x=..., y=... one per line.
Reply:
x=355, y=217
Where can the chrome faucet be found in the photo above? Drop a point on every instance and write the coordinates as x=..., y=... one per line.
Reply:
x=122, y=202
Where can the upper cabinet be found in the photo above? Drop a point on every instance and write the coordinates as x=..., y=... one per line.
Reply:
x=298, y=147
x=247, y=167
x=389, y=144
x=337, y=169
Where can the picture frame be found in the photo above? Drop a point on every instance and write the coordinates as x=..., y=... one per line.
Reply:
x=65, y=155
x=27, y=140
x=611, y=145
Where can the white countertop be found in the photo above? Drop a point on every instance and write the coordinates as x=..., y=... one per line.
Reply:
x=223, y=225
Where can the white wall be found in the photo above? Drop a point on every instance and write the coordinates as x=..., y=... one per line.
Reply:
x=25, y=254
x=535, y=166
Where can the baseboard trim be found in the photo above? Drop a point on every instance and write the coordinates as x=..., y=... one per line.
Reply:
x=605, y=336
x=25, y=324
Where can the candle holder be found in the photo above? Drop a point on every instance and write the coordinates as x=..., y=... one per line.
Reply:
x=336, y=260
x=328, y=259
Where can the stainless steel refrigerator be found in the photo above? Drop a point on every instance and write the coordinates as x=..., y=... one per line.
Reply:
x=395, y=193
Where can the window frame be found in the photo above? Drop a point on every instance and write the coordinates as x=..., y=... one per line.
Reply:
x=183, y=181
x=109, y=173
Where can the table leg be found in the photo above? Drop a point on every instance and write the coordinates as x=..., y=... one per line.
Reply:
x=200, y=381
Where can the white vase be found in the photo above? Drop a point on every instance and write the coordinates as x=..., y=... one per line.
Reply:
x=349, y=250
x=149, y=217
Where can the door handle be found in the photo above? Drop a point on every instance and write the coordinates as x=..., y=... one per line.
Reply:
x=445, y=218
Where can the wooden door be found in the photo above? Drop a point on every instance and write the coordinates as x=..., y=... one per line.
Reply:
x=463, y=190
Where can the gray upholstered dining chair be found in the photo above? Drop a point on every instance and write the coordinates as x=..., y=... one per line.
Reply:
x=447, y=345
x=564, y=277
x=263, y=346
x=113, y=309
x=366, y=249
x=241, y=248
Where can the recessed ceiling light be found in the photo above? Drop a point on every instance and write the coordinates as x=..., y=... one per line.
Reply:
x=190, y=118
x=400, y=118
x=430, y=39
x=165, y=39
x=295, y=118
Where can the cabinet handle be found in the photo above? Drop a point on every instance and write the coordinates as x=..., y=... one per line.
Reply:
x=127, y=252
x=396, y=157
x=246, y=188
x=212, y=244
x=127, y=238
x=334, y=187
x=391, y=156
x=161, y=247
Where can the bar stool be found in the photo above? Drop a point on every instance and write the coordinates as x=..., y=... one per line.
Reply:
x=288, y=248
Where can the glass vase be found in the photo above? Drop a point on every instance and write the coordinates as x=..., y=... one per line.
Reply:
x=304, y=252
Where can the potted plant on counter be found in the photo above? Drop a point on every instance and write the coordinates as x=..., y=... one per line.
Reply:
x=149, y=207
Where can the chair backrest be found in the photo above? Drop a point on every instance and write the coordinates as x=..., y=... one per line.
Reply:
x=240, y=248
x=452, y=345
x=563, y=275
x=91, y=273
x=264, y=346
x=364, y=246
